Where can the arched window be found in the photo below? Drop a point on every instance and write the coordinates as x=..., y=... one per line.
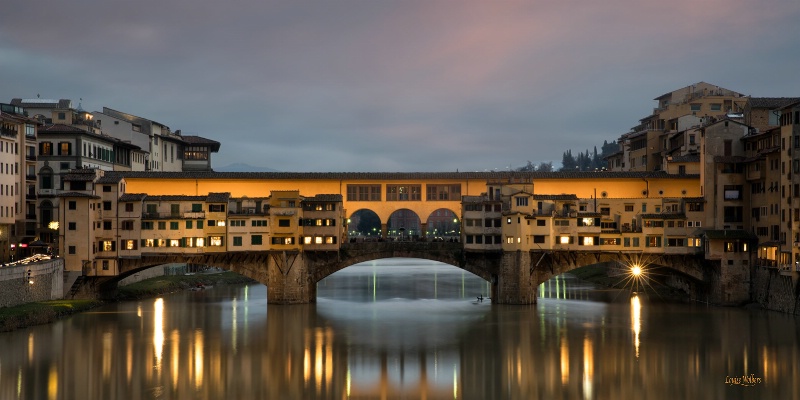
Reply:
x=46, y=178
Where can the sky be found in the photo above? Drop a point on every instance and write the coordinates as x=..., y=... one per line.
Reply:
x=394, y=85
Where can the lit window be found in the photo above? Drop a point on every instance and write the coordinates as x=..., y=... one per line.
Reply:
x=215, y=241
x=106, y=245
x=199, y=242
x=149, y=243
x=318, y=240
x=329, y=240
x=129, y=245
x=563, y=239
x=174, y=243
x=307, y=240
x=588, y=221
x=510, y=240
x=162, y=242
x=588, y=241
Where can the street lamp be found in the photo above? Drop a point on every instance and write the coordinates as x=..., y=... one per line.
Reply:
x=53, y=225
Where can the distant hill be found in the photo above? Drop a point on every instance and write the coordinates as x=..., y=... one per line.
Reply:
x=241, y=167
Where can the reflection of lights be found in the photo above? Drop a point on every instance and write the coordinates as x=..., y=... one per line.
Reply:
x=455, y=382
x=348, y=380
x=52, y=383
x=174, y=339
x=233, y=324
x=564, y=362
x=128, y=355
x=198, y=359
x=158, y=331
x=107, y=351
x=588, y=367
x=30, y=347
x=636, y=321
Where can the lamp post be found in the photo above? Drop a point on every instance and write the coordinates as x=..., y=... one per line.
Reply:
x=53, y=225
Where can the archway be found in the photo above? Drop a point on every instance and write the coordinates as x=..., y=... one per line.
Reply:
x=403, y=225
x=443, y=224
x=364, y=225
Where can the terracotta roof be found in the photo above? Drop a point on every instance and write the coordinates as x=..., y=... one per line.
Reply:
x=218, y=197
x=555, y=197
x=132, y=197
x=60, y=128
x=78, y=194
x=109, y=179
x=78, y=177
x=175, y=198
x=324, y=197
x=389, y=176
x=197, y=140
x=771, y=102
x=729, y=159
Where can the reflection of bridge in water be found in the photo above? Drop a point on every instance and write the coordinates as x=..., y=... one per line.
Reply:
x=514, y=275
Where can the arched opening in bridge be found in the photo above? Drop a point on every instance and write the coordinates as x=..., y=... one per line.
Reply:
x=443, y=224
x=394, y=279
x=364, y=224
x=403, y=224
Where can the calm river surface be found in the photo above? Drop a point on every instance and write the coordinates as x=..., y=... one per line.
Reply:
x=405, y=329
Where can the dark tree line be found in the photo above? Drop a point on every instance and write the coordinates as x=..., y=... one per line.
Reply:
x=584, y=161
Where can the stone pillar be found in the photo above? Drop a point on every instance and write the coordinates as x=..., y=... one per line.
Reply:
x=384, y=231
x=515, y=282
x=423, y=226
x=288, y=281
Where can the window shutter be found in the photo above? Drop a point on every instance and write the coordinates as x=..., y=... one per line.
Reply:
x=114, y=245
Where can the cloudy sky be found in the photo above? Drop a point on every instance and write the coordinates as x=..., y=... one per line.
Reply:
x=394, y=85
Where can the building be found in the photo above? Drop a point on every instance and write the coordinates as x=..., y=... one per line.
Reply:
x=166, y=150
x=17, y=182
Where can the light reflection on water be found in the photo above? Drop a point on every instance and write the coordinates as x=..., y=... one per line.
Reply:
x=403, y=329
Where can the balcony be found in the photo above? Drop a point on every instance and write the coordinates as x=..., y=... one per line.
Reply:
x=30, y=196
x=47, y=192
x=30, y=178
x=30, y=157
x=248, y=211
x=30, y=217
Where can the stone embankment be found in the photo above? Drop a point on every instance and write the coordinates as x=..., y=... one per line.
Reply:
x=35, y=280
x=774, y=291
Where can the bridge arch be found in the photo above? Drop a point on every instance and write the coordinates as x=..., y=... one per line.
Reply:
x=364, y=223
x=443, y=223
x=404, y=224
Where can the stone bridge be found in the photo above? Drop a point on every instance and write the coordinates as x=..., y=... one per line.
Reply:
x=292, y=276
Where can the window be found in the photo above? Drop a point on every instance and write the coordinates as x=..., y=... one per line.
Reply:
x=65, y=148
x=255, y=239
x=197, y=208
x=128, y=207
x=541, y=222
x=695, y=107
x=403, y=192
x=188, y=224
x=237, y=222
x=282, y=240
x=106, y=225
x=443, y=192
x=216, y=208
x=105, y=265
x=126, y=225
x=107, y=205
x=561, y=222
x=284, y=222
x=162, y=225
x=538, y=239
x=691, y=139
x=71, y=226
x=716, y=106
x=522, y=201
x=106, y=188
x=363, y=192
x=215, y=241
x=173, y=225
x=694, y=242
x=72, y=205
x=653, y=241
x=71, y=250
x=330, y=239
x=174, y=243
x=46, y=148
x=107, y=245
x=237, y=241
x=733, y=192
x=129, y=244
x=674, y=242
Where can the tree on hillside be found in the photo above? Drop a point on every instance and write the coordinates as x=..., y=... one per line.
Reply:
x=568, y=162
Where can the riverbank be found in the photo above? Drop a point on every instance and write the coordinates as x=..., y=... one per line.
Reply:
x=45, y=312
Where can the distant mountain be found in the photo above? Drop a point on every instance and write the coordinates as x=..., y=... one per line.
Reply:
x=241, y=167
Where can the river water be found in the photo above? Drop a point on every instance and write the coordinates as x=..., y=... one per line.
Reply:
x=405, y=329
